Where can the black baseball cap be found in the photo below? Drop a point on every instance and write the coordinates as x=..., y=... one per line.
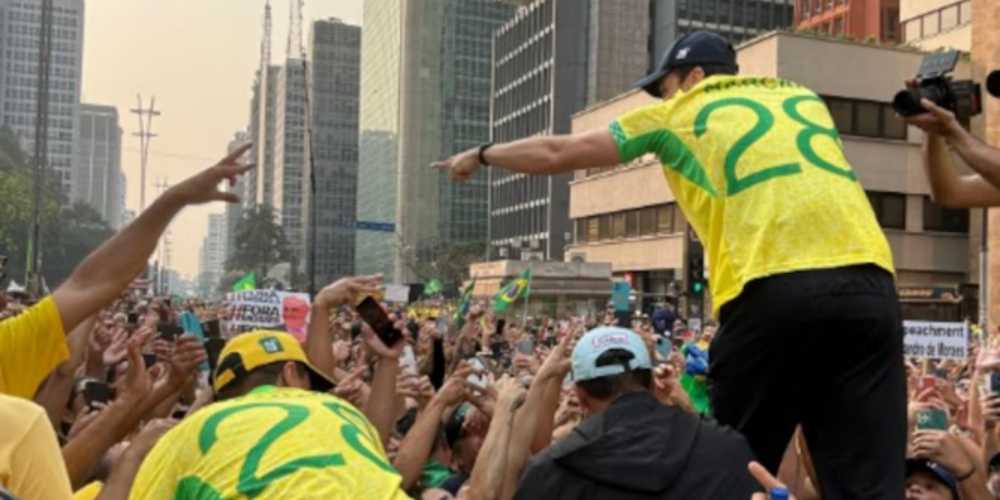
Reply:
x=936, y=470
x=694, y=49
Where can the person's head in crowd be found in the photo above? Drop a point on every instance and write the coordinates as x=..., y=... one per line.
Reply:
x=993, y=480
x=927, y=480
x=708, y=332
x=679, y=326
x=265, y=357
x=608, y=362
x=463, y=441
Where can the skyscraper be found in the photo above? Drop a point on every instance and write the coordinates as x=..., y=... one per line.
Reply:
x=213, y=254
x=333, y=76
x=20, y=25
x=289, y=154
x=243, y=188
x=97, y=177
x=411, y=114
x=736, y=20
x=540, y=78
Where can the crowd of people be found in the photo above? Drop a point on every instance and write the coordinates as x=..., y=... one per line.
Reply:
x=803, y=388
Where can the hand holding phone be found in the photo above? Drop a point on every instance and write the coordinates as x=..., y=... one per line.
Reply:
x=376, y=317
x=97, y=392
x=931, y=418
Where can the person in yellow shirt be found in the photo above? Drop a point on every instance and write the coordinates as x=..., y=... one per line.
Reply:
x=802, y=278
x=30, y=463
x=269, y=436
x=34, y=342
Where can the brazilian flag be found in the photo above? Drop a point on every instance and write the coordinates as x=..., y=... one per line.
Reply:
x=433, y=287
x=464, y=304
x=514, y=290
x=247, y=283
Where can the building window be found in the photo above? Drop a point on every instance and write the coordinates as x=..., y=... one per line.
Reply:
x=665, y=219
x=948, y=220
x=618, y=225
x=632, y=224
x=889, y=208
x=890, y=23
x=865, y=118
x=647, y=221
x=604, y=227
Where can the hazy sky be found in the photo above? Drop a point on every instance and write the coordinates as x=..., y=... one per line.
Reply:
x=198, y=58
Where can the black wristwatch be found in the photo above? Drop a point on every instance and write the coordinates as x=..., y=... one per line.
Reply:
x=482, y=153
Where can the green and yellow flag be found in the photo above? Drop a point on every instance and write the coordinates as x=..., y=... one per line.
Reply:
x=433, y=287
x=463, y=304
x=513, y=291
x=246, y=284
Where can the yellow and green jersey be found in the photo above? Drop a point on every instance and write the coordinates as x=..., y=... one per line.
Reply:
x=272, y=443
x=758, y=168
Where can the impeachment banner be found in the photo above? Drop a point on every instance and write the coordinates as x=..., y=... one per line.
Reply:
x=933, y=339
x=269, y=309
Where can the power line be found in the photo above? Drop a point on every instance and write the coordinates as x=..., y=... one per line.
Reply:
x=180, y=156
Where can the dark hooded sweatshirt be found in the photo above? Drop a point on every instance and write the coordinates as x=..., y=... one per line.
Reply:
x=641, y=449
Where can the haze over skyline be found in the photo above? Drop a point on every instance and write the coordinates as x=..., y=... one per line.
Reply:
x=198, y=59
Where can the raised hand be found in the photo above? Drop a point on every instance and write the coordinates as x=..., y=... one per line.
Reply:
x=557, y=363
x=187, y=356
x=348, y=291
x=117, y=348
x=460, y=167
x=204, y=187
x=943, y=448
x=765, y=479
x=137, y=381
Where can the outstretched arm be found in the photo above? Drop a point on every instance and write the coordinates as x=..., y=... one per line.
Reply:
x=109, y=269
x=948, y=187
x=540, y=155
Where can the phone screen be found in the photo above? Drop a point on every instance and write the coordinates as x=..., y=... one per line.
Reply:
x=379, y=321
x=478, y=376
x=97, y=392
x=526, y=346
x=932, y=419
x=501, y=324
x=149, y=359
x=212, y=328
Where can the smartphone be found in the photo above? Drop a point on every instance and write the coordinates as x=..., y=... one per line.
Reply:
x=932, y=419
x=375, y=316
x=995, y=382
x=526, y=346
x=149, y=359
x=213, y=347
x=97, y=392
x=133, y=319
x=170, y=331
x=212, y=328
x=501, y=324
x=478, y=376
x=414, y=328
x=408, y=361
x=926, y=382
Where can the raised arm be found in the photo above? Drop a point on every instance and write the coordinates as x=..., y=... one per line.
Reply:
x=319, y=341
x=948, y=187
x=540, y=155
x=108, y=270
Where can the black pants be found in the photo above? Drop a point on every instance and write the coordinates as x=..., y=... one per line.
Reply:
x=823, y=349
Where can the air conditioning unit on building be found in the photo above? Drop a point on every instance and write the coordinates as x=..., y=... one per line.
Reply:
x=578, y=257
x=503, y=252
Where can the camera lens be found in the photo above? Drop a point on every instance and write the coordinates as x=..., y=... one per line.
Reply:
x=907, y=104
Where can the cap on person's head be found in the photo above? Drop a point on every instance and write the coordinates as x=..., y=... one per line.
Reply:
x=600, y=340
x=249, y=351
x=935, y=470
x=694, y=49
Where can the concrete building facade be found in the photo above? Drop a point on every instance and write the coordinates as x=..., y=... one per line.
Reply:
x=856, y=19
x=933, y=24
x=289, y=155
x=97, y=176
x=334, y=80
x=628, y=217
x=20, y=24
x=424, y=68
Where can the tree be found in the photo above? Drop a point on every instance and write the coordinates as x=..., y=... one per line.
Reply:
x=69, y=233
x=260, y=243
x=446, y=261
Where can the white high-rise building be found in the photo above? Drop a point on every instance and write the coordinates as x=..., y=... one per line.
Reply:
x=20, y=25
x=97, y=177
x=213, y=253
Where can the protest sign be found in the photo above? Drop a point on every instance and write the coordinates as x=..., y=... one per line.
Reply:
x=933, y=339
x=257, y=309
x=399, y=294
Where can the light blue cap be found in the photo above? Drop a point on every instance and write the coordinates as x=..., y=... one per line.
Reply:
x=600, y=340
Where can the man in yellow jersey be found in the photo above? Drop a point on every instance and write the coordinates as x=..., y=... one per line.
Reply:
x=269, y=436
x=801, y=273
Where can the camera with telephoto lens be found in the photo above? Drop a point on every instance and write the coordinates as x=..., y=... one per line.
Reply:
x=962, y=97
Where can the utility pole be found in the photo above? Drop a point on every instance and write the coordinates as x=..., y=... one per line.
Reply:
x=34, y=264
x=145, y=134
